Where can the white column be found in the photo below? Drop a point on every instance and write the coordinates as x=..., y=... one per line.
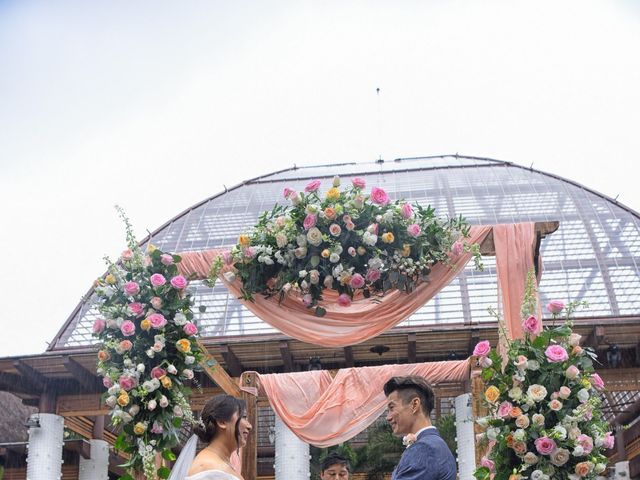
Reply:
x=44, y=461
x=292, y=454
x=96, y=467
x=465, y=438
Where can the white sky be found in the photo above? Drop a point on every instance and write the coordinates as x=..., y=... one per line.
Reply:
x=155, y=105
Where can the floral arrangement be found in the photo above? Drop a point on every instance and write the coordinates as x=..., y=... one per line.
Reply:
x=545, y=420
x=345, y=240
x=147, y=352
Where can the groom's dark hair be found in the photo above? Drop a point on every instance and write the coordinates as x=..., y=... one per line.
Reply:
x=334, y=459
x=411, y=387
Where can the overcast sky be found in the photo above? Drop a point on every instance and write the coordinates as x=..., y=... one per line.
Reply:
x=156, y=105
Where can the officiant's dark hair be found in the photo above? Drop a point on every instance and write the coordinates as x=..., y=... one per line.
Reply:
x=222, y=408
x=334, y=458
x=410, y=387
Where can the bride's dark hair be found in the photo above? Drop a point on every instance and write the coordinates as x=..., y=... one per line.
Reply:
x=222, y=408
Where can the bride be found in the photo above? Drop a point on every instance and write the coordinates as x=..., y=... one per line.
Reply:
x=224, y=429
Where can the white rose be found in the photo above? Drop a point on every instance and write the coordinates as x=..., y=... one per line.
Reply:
x=314, y=277
x=537, y=475
x=533, y=365
x=113, y=390
x=485, y=362
x=281, y=240
x=574, y=339
x=600, y=467
x=126, y=418
x=180, y=319
x=172, y=369
x=314, y=236
x=304, y=285
x=111, y=401
x=328, y=281
x=560, y=432
x=189, y=360
x=134, y=410
x=187, y=373
x=152, y=405
x=492, y=433
x=519, y=435
x=164, y=402
x=177, y=411
x=140, y=368
x=560, y=456
x=530, y=458
x=483, y=422
x=538, y=419
x=515, y=393
x=583, y=395
x=537, y=392
x=229, y=277
x=369, y=239
x=578, y=451
x=334, y=257
x=301, y=240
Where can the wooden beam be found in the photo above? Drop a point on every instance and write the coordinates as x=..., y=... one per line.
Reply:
x=287, y=358
x=81, y=447
x=233, y=364
x=216, y=373
x=348, y=356
x=98, y=428
x=30, y=376
x=411, y=347
x=88, y=380
x=595, y=337
x=474, y=339
x=542, y=229
x=10, y=382
x=250, y=450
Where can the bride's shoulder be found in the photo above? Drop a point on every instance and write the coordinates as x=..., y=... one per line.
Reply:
x=212, y=475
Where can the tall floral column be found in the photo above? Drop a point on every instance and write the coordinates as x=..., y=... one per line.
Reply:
x=44, y=461
x=465, y=437
x=292, y=454
x=96, y=467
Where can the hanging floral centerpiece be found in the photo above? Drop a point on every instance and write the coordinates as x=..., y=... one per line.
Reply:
x=345, y=240
x=147, y=352
x=544, y=401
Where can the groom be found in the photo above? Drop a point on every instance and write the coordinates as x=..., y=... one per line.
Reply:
x=409, y=402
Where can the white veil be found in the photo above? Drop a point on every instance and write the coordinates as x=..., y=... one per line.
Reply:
x=182, y=465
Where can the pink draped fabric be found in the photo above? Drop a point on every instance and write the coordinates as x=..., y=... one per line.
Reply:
x=325, y=411
x=341, y=326
x=515, y=248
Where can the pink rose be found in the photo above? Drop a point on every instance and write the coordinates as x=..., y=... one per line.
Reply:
x=288, y=192
x=373, y=275
x=504, y=409
x=157, y=280
x=572, y=372
x=379, y=196
x=157, y=320
x=128, y=328
x=357, y=281
x=413, y=230
x=157, y=428
x=555, y=306
x=344, y=300
x=136, y=308
x=597, y=381
x=335, y=229
x=556, y=353
x=482, y=348
x=126, y=383
x=156, y=302
x=157, y=372
x=608, y=441
x=457, y=248
x=485, y=462
x=545, y=445
x=350, y=226
x=586, y=442
x=178, y=282
x=310, y=221
x=307, y=300
x=126, y=255
x=531, y=325
x=358, y=182
x=312, y=186
x=106, y=381
x=190, y=329
x=555, y=405
x=166, y=259
x=131, y=288
x=227, y=257
x=406, y=210
x=99, y=325
x=126, y=345
x=564, y=392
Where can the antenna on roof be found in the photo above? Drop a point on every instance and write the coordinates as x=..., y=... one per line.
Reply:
x=616, y=199
x=379, y=126
x=531, y=166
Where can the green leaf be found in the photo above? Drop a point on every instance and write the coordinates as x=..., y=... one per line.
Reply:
x=177, y=422
x=482, y=473
x=164, y=472
x=126, y=476
x=168, y=455
x=121, y=442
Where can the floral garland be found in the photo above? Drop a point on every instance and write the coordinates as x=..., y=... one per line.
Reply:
x=148, y=350
x=347, y=241
x=545, y=418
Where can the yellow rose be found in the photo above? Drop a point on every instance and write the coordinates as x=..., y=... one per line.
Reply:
x=151, y=248
x=492, y=394
x=110, y=279
x=244, y=240
x=388, y=237
x=333, y=194
x=406, y=250
x=123, y=399
x=145, y=324
x=139, y=428
x=165, y=381
x=326, y=253
x=183, y=345
x=586, y=383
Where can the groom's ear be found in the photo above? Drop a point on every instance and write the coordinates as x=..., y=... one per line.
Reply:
x=416, y=405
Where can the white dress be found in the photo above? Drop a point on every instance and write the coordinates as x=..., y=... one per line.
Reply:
x=212, y=475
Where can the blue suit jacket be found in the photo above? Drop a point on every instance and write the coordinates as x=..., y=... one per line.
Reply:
x=429, y=458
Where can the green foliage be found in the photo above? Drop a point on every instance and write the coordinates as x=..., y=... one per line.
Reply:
x=446, y=426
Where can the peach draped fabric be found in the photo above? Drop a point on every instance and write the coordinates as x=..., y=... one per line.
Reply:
x=325, y=411
x=341, y=326
x=515, y=248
